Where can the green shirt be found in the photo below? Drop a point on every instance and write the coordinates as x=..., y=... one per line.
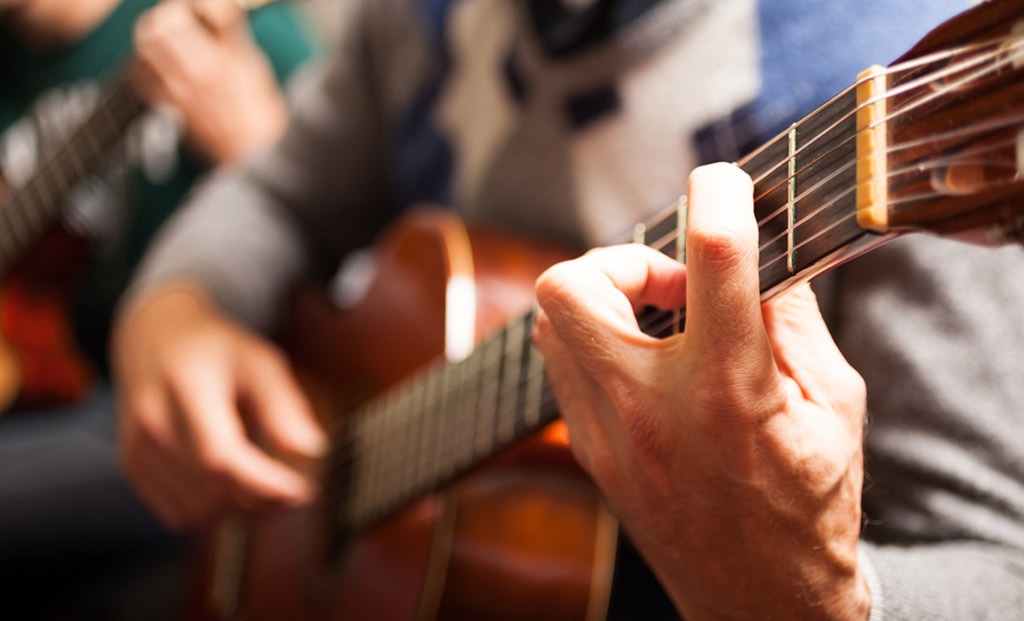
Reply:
x=44, y=96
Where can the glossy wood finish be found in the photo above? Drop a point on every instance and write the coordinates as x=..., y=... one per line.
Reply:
x=525, y=536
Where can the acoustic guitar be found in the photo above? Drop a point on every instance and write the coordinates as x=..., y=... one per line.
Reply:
x=445, y=494
x=40, y=259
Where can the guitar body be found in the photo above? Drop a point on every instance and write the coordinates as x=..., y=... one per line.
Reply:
x=524, y=536
x=40, y=363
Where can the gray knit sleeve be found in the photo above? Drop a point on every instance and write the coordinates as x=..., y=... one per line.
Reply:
x=934, y=326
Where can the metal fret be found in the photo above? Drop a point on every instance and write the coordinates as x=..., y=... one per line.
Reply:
x=403, y=439
x=534, y=389
x=465, y=415
x=489, y=396
x=791, y=202
x=447, y=423
x=511, y=376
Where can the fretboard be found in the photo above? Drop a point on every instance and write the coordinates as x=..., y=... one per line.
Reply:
x=28, y=213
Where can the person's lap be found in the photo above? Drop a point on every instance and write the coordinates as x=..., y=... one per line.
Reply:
x=74, y=539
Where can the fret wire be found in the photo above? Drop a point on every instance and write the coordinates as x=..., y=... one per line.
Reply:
x=639, y=233
x=415, y=431
x=526, y=350
x=473, y=377
x=508, y=397
x=357, y=494
x=791, y=202
x=346, y=485
x=462, y=452
x=371, y=441
x=360, y=482
x=429, y=434
x=534, y=391
x=653, y=223
x=402, y=430
x=447, y=420
x=489, y=397
x=682, y=211
x=384, y=449
x=797, y=223
x=846, y=194
x=427, y=437
x=382, y=465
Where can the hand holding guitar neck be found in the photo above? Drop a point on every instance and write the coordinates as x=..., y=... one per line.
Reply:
x=702, y=426
x=198, y=58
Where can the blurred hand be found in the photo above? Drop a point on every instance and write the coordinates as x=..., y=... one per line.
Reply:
x=732, y=452
x=198, y=57
x=212, y=421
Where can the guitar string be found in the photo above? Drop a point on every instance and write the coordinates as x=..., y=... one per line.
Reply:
x=503, y=412
x=959, y=133
x=21, y=218
x=923, y=84
x=24, y=220
x=896, y=71
x=548, y=401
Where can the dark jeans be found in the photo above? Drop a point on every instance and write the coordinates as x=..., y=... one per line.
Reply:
x=75, y=542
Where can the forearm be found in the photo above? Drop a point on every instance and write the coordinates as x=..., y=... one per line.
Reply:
x=233, y=243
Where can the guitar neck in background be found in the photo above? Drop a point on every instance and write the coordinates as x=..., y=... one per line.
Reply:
x=28, y=213
x=32, y=209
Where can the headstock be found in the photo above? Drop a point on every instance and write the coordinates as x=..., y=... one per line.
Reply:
x=941, y=144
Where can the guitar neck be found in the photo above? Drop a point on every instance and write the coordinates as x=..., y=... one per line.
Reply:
x=884, y=157
x=453, y=416
x=35, y=207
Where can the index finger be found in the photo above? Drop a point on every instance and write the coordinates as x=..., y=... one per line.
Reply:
x=590, y=301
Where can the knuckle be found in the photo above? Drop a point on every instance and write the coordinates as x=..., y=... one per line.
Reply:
x=264, y=360
x=716, y=247
x=550, y=284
